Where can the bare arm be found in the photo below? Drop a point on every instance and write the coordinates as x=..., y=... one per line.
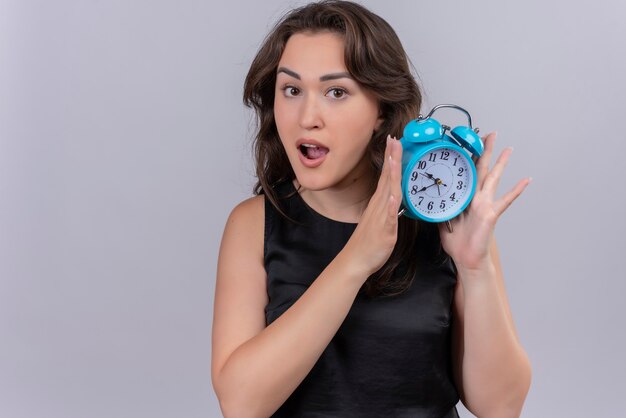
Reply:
x=255, y=368
x=492, y=370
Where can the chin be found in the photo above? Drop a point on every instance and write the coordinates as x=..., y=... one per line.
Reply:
x=323, y=178
x=313, y=182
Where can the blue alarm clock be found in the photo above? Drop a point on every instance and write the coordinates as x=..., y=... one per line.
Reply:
x=438, y=170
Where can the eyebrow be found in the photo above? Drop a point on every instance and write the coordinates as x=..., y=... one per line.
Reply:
x=326, y=77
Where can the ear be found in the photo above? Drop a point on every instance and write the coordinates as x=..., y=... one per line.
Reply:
x=379, y=122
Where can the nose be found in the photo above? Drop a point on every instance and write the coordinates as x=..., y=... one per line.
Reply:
x=311, y=113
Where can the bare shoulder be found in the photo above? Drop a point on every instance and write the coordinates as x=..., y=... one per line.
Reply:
x=251, y=206
x=244, y=229
x=242, y=241
x=240, y=287
x=250, y=212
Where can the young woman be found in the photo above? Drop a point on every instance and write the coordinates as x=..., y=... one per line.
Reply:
x=327, y=303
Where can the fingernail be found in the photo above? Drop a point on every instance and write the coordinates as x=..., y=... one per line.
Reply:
x=530, y=179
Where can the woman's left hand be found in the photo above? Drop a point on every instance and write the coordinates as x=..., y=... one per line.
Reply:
x=470, y=241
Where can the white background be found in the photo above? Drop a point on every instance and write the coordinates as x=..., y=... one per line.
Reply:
x=124, y=145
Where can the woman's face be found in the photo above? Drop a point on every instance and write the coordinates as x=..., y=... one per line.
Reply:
x=325, y=120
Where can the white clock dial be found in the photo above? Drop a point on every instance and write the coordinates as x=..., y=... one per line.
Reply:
x=440, y=183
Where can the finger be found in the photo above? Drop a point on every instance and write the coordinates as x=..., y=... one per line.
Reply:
x=386, y=152
x=505, y=201
x=482, y=166
x=493, y=178
x=379, y=202
x=390, y=176
x=391, y=221
x=396, y=149
x=384, y=174
x=385, y=190
x=396, y=170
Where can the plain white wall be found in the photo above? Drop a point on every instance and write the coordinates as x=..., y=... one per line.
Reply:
x=124, y=145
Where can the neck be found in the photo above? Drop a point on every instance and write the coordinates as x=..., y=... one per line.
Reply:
x=344, y=202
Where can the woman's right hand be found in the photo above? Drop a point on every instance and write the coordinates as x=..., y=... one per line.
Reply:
x=375, y=236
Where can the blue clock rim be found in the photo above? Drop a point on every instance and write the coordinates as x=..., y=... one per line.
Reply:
x=423, y=149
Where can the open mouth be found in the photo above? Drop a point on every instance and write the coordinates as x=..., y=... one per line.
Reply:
x=313, y=152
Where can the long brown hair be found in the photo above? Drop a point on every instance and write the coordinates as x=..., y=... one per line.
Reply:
x=375, y=58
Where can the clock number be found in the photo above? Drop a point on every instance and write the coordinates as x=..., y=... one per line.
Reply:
x=421, y=165
x=445, y=155
x=432, y=157
x=430, y=205
x=453, y=197
x=456, y=158
x=421, y=198
x=461, y=170
x=442, y=205
x=414, y=176
x=459, y=186
x=414, y=190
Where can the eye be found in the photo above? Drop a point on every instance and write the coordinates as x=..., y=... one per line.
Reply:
x=291, y=91
x=337, y=93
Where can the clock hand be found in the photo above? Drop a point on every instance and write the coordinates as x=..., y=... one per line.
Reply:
x=425, y=187
x=427, y=175
x=435, y=179
x=436, y=182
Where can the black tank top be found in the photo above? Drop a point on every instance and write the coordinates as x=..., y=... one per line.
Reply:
x=391, y=356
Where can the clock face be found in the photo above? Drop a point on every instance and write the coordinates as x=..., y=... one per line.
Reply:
x=440, y=183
